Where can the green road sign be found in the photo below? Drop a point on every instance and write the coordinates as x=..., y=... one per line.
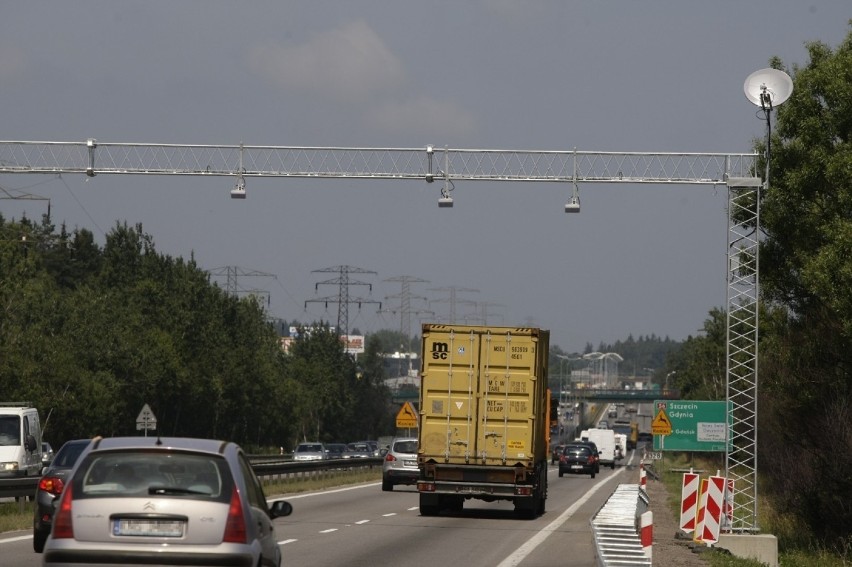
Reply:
x=688, y=425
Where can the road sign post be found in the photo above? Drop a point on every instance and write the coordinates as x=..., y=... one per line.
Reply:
x=407, y=417
x=689, y=425
x=146, y=420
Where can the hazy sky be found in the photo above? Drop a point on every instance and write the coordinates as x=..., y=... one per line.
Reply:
x=650, y=76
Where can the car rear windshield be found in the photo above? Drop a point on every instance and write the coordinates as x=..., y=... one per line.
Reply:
x=405, y=447
x=156, y=473
x=68, y=454
x=579, y=450
x=309, y=449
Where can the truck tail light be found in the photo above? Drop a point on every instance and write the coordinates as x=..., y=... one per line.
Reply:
x=425, y=486
x=523, y=491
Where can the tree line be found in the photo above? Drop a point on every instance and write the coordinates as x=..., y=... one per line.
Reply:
x=90, y=334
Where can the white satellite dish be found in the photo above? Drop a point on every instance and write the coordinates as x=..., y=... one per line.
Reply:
x=768, y=87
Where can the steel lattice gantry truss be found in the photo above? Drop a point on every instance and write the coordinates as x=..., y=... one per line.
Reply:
x=426, y=164
x=736, y=171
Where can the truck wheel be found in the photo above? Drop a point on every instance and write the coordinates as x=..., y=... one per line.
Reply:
x=429, y=505
x=454, y=503
x=39, y=539
x=527, y=507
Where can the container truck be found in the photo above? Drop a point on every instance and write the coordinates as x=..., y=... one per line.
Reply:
x=484, y=417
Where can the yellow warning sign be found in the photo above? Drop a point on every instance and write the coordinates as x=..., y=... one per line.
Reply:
x=406, y=417
x=661, y=425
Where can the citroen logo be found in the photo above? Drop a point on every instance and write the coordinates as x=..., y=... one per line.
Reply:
x=149, y=506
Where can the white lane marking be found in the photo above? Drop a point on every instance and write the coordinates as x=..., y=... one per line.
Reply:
x=413, y=508
x=522, y=552
x=19, y=538
x=306, y=495
x=359, y=522
x=286, y=541
x=388, y=515
x=328, y=531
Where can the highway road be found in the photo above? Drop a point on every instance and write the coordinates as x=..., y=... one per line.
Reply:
x=363, y=526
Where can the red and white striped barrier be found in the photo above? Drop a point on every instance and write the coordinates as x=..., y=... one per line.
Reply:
x=728, y=506
x=710, y=510
x=646, y=532
x=699, y=516
x=688, y=501
x=642, y=477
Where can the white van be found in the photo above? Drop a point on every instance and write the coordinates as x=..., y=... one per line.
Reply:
x=20, y=440
x=605, y=440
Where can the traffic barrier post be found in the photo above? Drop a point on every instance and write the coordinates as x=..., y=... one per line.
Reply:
x=688, y=501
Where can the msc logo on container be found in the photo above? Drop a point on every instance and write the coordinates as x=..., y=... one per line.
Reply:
x=440, y=351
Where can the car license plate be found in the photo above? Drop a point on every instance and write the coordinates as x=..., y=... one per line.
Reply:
x=148, y=528
x=576, y=466
x=409, y=463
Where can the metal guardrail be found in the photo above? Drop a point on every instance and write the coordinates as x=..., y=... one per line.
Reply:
x=615, y=528
x=267, y=468
x=18, y=487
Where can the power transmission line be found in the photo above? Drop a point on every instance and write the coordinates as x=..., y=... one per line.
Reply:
x=405, y=309
x=232, y=275
x=343, y=298
x=452, y=299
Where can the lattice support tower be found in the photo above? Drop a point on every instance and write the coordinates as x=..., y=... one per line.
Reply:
x=232, y=275
x=453, y=300
x=405, y=308
x=742, y=341
x=343, y=299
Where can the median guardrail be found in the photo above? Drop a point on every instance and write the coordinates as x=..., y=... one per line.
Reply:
x=18, y=487
x=267, y=468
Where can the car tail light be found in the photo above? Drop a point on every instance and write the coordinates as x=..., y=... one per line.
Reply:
x=62, y=524
x=235, y=528
x=51, y=484
x=389, y=458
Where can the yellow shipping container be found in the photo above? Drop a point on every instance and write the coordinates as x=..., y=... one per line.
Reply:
x=484, y=409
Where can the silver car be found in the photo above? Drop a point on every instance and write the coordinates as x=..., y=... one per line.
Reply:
x=400, y=464
x=361, y=450
x=314, y=451
x=163, y=501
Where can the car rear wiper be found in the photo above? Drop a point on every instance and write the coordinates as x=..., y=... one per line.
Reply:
x=175, y=490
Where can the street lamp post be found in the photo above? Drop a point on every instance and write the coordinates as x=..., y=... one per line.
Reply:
x=564, y=358
x=666, y=385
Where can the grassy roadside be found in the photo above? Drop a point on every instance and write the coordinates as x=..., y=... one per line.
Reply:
x=13, y=519
x=793, y=549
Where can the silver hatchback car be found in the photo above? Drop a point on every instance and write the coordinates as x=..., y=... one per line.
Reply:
x=400, y=464
x=310, y=452
x=163, y=501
